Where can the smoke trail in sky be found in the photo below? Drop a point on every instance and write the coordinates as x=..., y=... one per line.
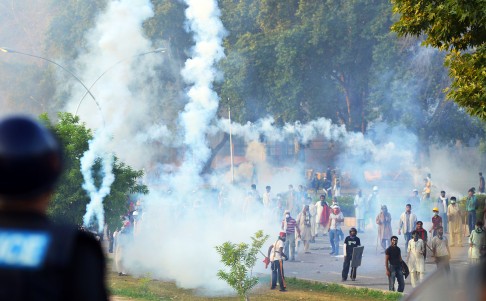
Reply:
x=114, y=43
x=118, y=46
x=199, y=72
x=96, y=152
x=356, y=144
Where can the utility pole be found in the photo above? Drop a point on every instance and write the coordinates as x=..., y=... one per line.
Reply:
x=231, y=147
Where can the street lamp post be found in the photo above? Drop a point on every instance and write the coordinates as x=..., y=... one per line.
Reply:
x=158, y=50
x=7, y=50
x=88, y=91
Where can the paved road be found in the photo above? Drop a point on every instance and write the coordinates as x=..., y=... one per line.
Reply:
x=321, y=266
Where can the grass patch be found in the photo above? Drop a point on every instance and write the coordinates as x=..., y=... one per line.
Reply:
x=336, y=289
x=145, y=288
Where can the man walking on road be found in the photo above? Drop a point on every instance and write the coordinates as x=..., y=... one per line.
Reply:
x=415, y=259
x=289, y=225
x=471, y=206
x=454, y=216
x=276, y=255
x=393, y=266
x=322, y=216
x=442, y=203
x=359, y=210
x=351, y=242
x=335, y=221
x=304, y=225
x=408, y=221
x=383, y=219
x=440, y=250
x=422, y=234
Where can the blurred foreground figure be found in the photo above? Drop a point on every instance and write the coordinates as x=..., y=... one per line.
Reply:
x=466, y=285
x=40, y=260
x=477, y=243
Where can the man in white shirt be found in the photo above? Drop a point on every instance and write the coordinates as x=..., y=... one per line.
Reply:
x=267, y=197
x=276, y=255
x=336, y=220
x=415, y=259
x=359, y=210
x=408, y=220
x=440, y=250
x=442, y=203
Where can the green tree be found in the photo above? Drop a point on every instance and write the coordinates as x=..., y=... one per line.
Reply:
x=241, y=258
x=302, y=59
x=70, y=199
x=456, y=27
x=407, y=89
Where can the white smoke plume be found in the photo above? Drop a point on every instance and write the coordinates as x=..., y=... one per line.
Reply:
x=121, y=62
x=183, y=219
x=355, y=144
x=122, y=21
x=95, y=152
x=199, y=72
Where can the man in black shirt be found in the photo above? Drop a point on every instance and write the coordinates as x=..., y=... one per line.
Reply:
x=393, y=259
x=350, y=242
x=40, y=260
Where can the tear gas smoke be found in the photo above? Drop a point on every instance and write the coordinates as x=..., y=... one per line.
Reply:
x=199, y=72
x=96, y=151
x=124, y=93
x=182, y=220
x=121, y=21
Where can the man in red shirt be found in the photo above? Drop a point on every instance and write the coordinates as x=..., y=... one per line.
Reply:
x=422, y=234
x=436, y=222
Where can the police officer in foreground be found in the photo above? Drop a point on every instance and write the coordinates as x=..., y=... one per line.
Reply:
x=38, y=259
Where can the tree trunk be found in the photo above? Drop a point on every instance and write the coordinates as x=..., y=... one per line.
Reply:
x=354, y=97
x=207, y=166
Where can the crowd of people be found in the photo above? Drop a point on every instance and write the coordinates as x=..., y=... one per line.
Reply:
x=320, y=218
x=303, y=215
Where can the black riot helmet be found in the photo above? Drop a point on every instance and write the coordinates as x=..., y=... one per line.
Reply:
x=30, y=158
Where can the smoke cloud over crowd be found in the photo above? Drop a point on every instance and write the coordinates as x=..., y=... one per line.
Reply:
x=186, y=215
x=183, y=221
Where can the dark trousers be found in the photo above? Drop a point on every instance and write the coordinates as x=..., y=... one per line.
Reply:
x=471, y=220
x=445, y=222
x=345, y=272
x=407, y=236
x=278, y=273
x=396, y=273
x=443, y=263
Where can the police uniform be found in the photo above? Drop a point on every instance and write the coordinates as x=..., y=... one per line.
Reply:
x=40, y=260
x=350, y=243
x=43, y=261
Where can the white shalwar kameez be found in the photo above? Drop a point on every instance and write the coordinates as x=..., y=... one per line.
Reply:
x=416, y=261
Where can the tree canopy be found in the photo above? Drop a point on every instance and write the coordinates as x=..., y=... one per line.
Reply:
x=457, y=27
x=298, y=60
x=70, y=199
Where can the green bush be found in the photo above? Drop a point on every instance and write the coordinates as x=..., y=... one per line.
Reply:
x=481, y=203
x=346, y=203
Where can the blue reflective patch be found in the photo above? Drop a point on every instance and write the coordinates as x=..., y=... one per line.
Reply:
x=23, y=249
